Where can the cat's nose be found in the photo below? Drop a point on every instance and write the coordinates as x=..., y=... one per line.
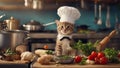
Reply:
x=65, y=31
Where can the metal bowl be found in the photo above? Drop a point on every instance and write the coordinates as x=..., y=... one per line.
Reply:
x=64, y=61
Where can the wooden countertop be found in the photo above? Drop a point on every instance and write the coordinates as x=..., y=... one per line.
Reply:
x=38, y=65
x=14, y=62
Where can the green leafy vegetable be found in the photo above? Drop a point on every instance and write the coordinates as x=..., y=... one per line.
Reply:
x=83, y=61
x=65, y=57
x=111, y=54
x=86, y=48
x=9, y=51
x=49, y=52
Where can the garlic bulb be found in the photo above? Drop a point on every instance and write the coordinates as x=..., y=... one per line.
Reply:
x=90, y=61
x=27, y=56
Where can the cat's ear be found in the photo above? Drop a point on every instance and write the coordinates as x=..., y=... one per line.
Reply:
x=57, y=22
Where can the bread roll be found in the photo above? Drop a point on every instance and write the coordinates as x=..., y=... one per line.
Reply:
x=21, y=48
x=40, y=52
x=45, y=59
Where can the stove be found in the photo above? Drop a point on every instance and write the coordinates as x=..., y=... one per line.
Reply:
x=44, y=31
x=37, y=39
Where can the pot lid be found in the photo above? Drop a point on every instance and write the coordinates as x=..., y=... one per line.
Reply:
x=33, y=22
x=12, y=19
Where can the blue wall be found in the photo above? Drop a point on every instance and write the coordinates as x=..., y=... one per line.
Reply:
x=46, y=16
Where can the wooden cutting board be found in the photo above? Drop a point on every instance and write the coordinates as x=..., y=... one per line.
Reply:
x=53, y=65
x=13, y=62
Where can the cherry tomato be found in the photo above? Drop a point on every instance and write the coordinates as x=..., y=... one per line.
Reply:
x=118, y=55
x=77, y=59
x=100, y=55
x=45, y=47
x=103, y=60
x=94, y=54
x=91, y=57
x=97, y=60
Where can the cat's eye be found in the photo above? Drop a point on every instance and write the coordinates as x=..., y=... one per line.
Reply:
x=61, y=26
x=67, y=27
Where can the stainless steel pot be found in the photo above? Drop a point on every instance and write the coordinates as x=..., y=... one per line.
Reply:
x=12, y=24
x=33, y=26
x=12, y=38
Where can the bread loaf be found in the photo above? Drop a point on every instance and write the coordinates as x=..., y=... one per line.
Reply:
x=21, y=48
x=40, y=52
x=45, y=59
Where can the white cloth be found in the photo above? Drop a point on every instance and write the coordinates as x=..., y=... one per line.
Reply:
x=68, y=14
x=60, y=36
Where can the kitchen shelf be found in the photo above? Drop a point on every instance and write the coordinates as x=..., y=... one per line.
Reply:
x=49, y=4
x=75, y=35
x=12, y=1
x=13, y=7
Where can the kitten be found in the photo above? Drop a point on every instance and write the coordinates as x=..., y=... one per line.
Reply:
x=64, y=39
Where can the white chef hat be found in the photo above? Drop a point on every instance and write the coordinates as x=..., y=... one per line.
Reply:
x=68, y=14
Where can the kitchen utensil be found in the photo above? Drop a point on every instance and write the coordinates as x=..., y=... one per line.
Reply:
x=37, y=4
x=12, y=38
x=35, y=26
x=102, y=44
x=27, y=3
x=108, y=25
x=63, y=60
x=99, y=20
x=2, y=16
x=83, y=4
x=1, y=22
x=117, y=25
x=12, y=24
x=95, y=11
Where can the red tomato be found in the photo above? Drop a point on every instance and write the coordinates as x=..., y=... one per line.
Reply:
x=118, y=55
x=77, y=59
x=94, y=54
x=91, y=57
x=100, y=55
x=97, y=60
x=45, y=46
x=103, y=60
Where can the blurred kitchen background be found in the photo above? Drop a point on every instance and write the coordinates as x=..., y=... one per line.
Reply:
x=45, y=11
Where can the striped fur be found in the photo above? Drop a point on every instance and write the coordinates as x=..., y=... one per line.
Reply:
x=63, y=47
